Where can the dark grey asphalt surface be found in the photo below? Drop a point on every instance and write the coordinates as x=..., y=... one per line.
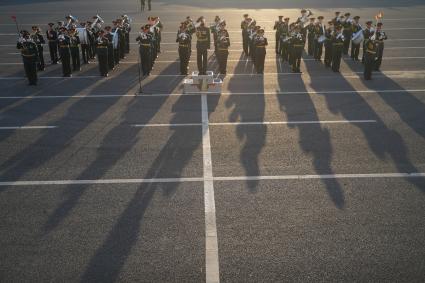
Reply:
x=338, y=229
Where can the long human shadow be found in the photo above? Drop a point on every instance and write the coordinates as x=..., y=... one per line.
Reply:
x=249, y=108
x=57, y=140
x=382, y=140
x=109, y=259
x=126, y=136
x=22, y=111
x=410, y=109
x=314, y=139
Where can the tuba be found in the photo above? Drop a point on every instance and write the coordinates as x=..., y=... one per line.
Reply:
x=71, y=20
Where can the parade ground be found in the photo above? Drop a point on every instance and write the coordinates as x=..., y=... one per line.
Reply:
x=283, y=177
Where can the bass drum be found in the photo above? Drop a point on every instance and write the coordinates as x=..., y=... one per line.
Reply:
x=358, y=37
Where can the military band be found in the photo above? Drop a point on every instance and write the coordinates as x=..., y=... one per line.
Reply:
x=69, y=44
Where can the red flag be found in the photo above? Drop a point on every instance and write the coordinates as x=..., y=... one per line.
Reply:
x=13, y=18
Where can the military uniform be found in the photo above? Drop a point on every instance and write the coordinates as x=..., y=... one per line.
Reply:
x=223, y=44
x=145, y=50
x=310, y=36
x=297, y=42
x=116, y=38
x=74, y=45
x=367, y=33
x=65, y=53
x=39, y=41
x=29, y=54
x=371, y=47
x=260, y=43
x=277, y=27
x=355, y=48
x=319, y=30
x=284, y=40
x=380, y=37
x=347, y=32
x=102, y=54
x=202, y=45
x=244, y=28
x=52, y=38
x=85, y=44
x=184, y=39
x=337, y=49
x=110, y=37
x=328, y=44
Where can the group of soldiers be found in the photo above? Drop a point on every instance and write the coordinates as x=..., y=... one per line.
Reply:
x=74, y=43
x=336, y=38
x=220, y=38
x=254, y=42
x=149, y=41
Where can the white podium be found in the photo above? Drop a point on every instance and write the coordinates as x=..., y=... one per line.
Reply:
x=202, y=83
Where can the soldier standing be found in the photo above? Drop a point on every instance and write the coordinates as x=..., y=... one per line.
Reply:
x=214, y=28
x=29, y=54
x=347, y=32
x=202, y=45
x=223, y=44
x=39, y=41
x=310, y=29
x=65, y=52
x=355, y=48
x=116, y=38
x=52, y=37
x=75, y=49
x=102, y=53
x=260, y=43
x=145, y=49
x=329, y=33
x=284, y=38
x=380, y=37
x=371, y=48
x=85, y=44
x=244, y=28
x=298, y=42
x=277, y=27
x=110, y=37
x=318, y=31
x=184, y=39
x=337, y=48
x=367, y=33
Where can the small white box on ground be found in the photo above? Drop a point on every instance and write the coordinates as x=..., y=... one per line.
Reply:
x=202, y=83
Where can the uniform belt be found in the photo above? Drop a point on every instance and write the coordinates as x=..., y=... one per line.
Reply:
x=223, y=49
x=183, y=45
x=202, y=39
x=26, y=55
x=102, y=46
x=63, y=46
x=298, y=45
x=338, y=44
x=145, y=44
x=371, y=52
x=260, y=46
x=52, y=40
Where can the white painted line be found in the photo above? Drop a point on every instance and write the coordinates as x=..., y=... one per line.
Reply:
x=257, y=123
x=197, y=179
x=224, y=93
x=292, y=123
x=100, y=181
x=27, y=127
x=167, y=125
x=211, y=243
x=331, y=176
